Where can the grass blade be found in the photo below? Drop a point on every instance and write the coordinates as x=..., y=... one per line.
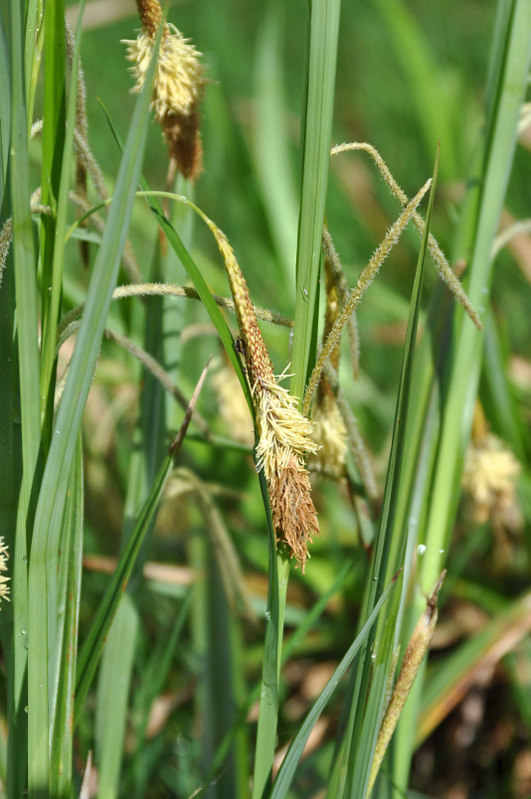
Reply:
x=296, y=748
x=507, y=91
x=389, y=557
x=93, y=646
x=26, y=373
x=317, y=131
x=53, y=487
x=61, y=757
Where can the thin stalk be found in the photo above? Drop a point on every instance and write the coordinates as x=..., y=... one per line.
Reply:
x=276, y=603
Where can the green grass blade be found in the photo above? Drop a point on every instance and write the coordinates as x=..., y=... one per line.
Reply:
x=505, y=101
x=5, y=112
x=371, y=683
x=53, y=174
x=61, y=757
x=499, y=401
x=55, y=228
x=54, y=482
x=113, y=694
x=270, y=142
x=317, y=132
x=93, y=645
x=27, y=408
x=25, y=264
x=289, y=764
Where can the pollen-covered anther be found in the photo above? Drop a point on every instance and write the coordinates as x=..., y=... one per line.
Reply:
x=178, y=82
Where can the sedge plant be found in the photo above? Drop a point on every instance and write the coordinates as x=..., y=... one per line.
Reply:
x=301, y=429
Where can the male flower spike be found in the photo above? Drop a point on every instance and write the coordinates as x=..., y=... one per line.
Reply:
x=177, y=87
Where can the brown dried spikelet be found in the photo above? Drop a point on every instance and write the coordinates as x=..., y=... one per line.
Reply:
x=177, y=86
x=292, y=507
x=181, y=134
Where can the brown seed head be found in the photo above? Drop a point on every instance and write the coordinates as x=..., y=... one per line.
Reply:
x=292, y=507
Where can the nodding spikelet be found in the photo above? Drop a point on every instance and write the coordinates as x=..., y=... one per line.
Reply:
x=284, y=434
x=177, y=87
x=4, y=554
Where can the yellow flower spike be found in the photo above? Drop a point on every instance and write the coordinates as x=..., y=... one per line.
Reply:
x=177, y=87
x=330, y=434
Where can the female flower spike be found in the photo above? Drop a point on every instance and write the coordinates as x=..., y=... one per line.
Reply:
x=177, y=86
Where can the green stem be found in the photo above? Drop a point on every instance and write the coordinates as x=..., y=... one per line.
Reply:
x=276, y=604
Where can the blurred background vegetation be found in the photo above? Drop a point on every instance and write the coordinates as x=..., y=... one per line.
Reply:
x=409, y=74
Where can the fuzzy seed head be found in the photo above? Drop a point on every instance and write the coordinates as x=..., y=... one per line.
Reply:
x=292, y=507
x=177, y=86
x=5, y=243
x=330, y=435
x=489, y=480
x=178, y=80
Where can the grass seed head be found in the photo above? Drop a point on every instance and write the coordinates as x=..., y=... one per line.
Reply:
x=177, y=87
x=294, y=515
x=284, y=440
x=284, y=434
x=489, y=480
